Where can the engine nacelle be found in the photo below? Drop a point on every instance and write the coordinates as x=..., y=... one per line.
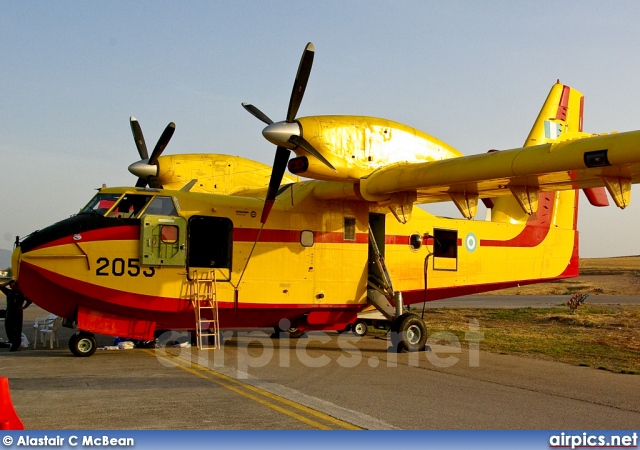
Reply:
x=357, y=146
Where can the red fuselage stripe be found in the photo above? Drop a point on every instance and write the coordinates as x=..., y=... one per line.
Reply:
x=535, y=230
x=532, y=234
x=123, y=233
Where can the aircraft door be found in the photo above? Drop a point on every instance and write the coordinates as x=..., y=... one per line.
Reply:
x=210, y=244
x=162, y=240
x=445, y=249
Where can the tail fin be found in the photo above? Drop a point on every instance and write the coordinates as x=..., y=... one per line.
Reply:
x=550, y=233
x=560, y=115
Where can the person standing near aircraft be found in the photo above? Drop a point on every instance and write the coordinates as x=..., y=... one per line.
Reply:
x=16, y=304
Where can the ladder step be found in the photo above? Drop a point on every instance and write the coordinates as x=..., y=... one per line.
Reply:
x=203, y=298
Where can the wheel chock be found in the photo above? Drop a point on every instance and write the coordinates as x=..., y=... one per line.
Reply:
x=9, y=419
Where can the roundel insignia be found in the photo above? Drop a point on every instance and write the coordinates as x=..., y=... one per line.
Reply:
x=471, y=242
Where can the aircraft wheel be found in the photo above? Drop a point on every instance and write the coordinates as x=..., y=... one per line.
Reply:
x=408, y=333
x=360, y=328
x=295, y=333
x=83, y=344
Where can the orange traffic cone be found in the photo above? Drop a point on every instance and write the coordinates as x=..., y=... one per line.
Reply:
x=9, y=420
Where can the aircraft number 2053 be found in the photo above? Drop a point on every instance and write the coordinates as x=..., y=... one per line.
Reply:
x=119, y=267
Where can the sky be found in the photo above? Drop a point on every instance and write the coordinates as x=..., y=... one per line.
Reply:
x=472, y=73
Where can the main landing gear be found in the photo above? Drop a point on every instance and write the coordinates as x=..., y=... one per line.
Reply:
x=408, y=333
x=83, y=344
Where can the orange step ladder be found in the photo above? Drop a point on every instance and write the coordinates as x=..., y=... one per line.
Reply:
x=205, y=305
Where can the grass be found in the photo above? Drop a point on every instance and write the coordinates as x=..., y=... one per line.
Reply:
x=611, y=276
x=609, y=266
x=598, y=336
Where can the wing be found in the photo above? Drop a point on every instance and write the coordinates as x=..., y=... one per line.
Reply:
x=575, y=161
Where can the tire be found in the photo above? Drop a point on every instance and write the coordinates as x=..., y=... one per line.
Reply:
x=295, y=333
x=408, y=333
x=83, y=344
x=360, y=328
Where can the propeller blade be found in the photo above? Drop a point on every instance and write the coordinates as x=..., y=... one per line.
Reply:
x=300, y=84
x=162, y=143
x=147, y=169
x=257, y=113
x=139, y=138
x=277, y=173
x=303, y=143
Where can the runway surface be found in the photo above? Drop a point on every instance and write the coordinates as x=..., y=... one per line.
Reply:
x=325, y=381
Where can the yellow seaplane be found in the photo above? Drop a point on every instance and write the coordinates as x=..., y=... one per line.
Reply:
x=209, y=241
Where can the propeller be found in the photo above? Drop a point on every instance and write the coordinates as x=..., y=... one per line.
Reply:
x=287, y=135
x=147, y=168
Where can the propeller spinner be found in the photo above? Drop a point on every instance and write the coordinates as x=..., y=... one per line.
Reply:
x=287, y=135
x=147, y=168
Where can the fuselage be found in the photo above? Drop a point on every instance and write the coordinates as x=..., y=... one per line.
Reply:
x=124, y=265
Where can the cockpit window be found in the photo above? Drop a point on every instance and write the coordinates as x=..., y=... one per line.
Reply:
x=100, y=204
x=130, y=206
x=161, y=206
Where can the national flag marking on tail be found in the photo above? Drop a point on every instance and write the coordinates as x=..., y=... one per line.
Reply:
x=552, y=130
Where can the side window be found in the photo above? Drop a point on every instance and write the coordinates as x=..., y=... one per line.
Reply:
x=415, y=241
x=349, y=228
x=307, y=238
x=161, y=206
x=169, y=234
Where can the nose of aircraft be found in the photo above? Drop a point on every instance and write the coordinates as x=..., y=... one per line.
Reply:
x=279, y=133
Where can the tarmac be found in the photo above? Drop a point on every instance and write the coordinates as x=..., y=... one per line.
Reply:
x=323, y=381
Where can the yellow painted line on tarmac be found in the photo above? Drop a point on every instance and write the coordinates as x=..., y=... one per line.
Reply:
x=262, y=397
